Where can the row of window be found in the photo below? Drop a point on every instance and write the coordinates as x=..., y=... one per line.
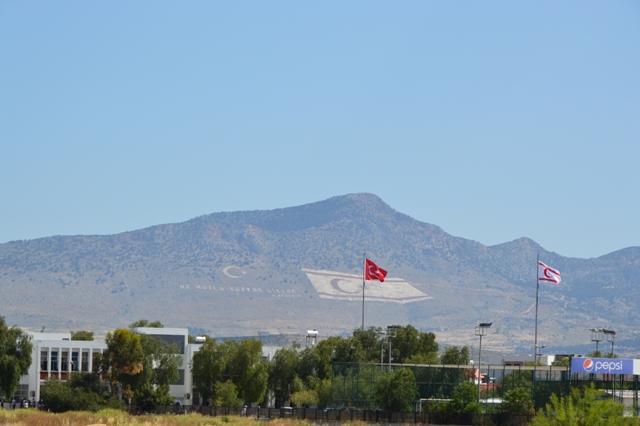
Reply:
x=77, y=363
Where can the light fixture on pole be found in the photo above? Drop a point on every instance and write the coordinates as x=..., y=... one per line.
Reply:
x=596, y=336
x=312, y=338
x=391, y=332
x=538, y=353
x=610, y=336
x=481, y=330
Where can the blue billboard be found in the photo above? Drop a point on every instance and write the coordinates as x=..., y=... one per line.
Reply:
x=602, y=365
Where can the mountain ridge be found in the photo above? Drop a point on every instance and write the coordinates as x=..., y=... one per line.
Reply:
x=182, y=270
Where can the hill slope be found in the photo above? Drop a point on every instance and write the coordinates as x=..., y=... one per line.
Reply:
x=242, y=272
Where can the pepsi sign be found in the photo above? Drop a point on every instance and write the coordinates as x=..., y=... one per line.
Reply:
x=602, y=365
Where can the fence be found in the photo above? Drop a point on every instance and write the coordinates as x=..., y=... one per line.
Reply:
x=335, y=415
x=354, y=384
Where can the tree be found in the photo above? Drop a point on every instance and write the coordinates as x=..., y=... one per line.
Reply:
x=347, y=350
x=241, y=363
x=305, y=398
x=160, y=368
x=81, y=392
x=408, y=343
x=465, y=399
x=146, y=323
x=282, y=374
x=584, y=407
x=208, y=366
x=123, y=359
x=247, y=370
x=369, y=342
x=561, y=361
x=396, y=390
x=227, y=395
x=82, y=335
x=15, y=357
x=322, y=387
x=456, y=355
x=309, y=365
x=518, y=402
x=124, y=354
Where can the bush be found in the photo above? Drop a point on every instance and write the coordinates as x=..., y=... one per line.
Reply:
x=465, y=399
x=227, y=395
x=396, y=390
x=518, y=402
x=148, y=396
x=584, y=407
x=305, y=398
x=82, y=392
x=59, y=397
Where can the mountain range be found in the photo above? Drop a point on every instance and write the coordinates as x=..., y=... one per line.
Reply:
x=292, y=269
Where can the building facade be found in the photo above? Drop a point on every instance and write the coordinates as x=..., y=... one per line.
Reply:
x=178, y=340
x=55, y=357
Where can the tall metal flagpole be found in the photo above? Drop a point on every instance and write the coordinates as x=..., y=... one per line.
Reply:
x=364, y=265
x=535, y=338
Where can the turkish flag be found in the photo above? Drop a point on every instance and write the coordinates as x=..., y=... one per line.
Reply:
x=373, y=271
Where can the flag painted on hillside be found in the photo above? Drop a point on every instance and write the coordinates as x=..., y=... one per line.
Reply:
x=344, y=286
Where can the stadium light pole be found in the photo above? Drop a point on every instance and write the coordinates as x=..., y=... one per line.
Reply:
x=610, y=336
x=538, y=353
x=391, y=332
x=596, y=336
x=481, y=330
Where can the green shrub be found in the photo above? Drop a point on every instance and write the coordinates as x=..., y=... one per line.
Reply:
x=465, y=399
x=584, y=407
x=396, y=390
x=227, y=395
x=518, y=402
x=305, y=398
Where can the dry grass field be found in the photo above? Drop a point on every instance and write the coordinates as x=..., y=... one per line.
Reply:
x=32, y=417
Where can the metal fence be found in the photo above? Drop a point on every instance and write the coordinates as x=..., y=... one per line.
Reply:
x=354, y=384
x=339, y=415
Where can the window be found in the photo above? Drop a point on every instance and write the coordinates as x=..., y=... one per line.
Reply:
x=174, y=341
x=74, y=361
x=44, y=354
x=65, y=360
x=95, y=361
x=85, y=360
x=180, y=380
x=54, y=360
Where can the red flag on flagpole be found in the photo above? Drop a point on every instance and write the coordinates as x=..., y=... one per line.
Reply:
x=373, y=271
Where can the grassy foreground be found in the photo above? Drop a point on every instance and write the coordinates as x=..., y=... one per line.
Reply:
x=34, y=417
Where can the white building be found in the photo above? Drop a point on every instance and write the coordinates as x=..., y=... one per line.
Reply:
x=178, y=339
x=56, y=356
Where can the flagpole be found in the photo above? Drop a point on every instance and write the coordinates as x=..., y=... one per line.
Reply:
x=364, y=262
x=535, y=338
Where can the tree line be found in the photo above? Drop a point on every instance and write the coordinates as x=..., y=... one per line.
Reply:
x=138, y=369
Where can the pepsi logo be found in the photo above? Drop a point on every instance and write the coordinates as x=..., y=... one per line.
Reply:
x=587, y=364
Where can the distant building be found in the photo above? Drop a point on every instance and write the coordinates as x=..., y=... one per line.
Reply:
x=56, y=356
x=178, y=339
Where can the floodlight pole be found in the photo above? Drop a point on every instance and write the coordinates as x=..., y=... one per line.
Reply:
x=479, y=365
x=480, y=331
x=596, y=336
x=611, y=337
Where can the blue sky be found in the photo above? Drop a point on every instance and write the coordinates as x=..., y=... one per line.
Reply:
x=493, y=120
